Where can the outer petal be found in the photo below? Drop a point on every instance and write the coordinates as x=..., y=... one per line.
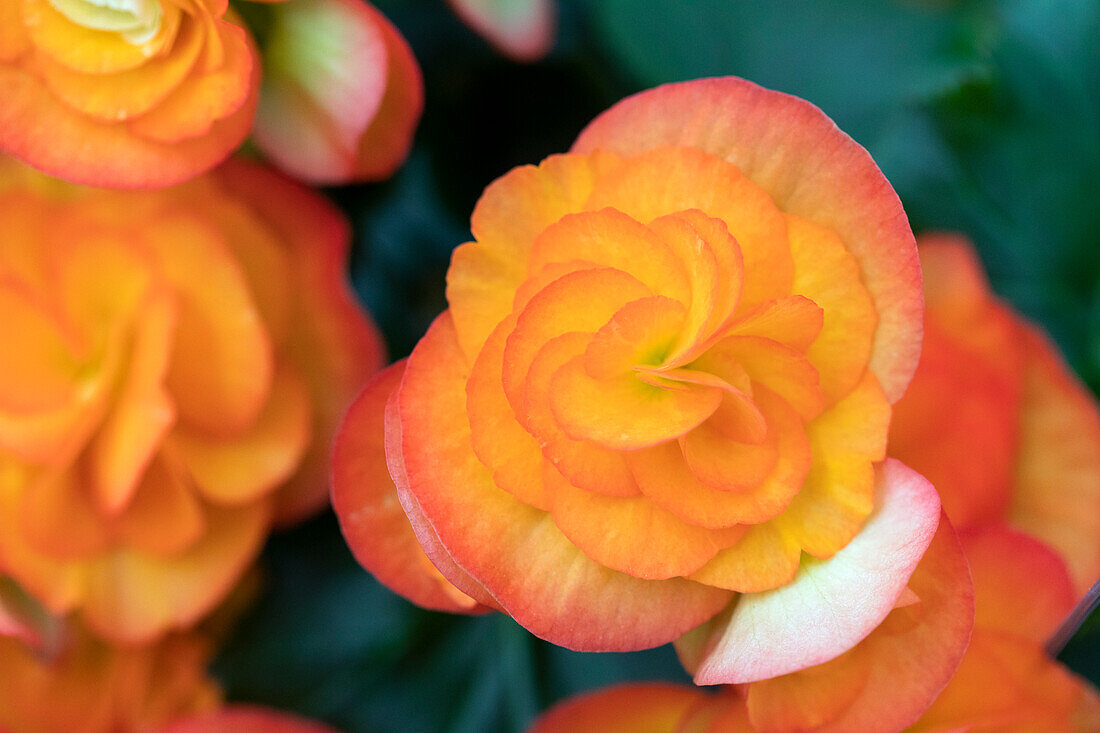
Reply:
x=819, y=615
x=365, y=500
x=810, y=168
x=515, y=551
x=522, y=29
x=341, y=95
x=635, y=708
x=891, y=677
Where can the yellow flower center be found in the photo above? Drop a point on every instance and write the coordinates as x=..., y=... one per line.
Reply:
x=135, y=21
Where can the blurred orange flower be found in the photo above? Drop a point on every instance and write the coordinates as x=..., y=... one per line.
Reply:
x=177, y=361
x=665, y=374
x=996, y=420
x=146, y=93
x=83, y=684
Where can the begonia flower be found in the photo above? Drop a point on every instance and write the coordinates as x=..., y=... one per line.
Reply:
x=176, y=363
x=148, y=93
x=246, y=719
x=996, y=420
x=521, y=29
x=1005, y=683
x=76, y=682
x=665, y=379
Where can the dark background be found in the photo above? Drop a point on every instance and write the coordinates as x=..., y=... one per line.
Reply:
x=985, y=116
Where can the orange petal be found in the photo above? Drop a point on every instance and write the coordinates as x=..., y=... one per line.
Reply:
x=222, y=364
x=666, y=180
x=41, y=358
x=240, y=469
x=516, y=552
x=780, y=368
x=141, y=414
x=611, y=239
x=497, y=438
x=579, y=301
x=523, y=29
x=164, y=517
x=829, y=275
x=816, y=617
x=202, y=98
x=57, y=516
x=85, y=50
x=365, y=500
x=837, y=494
x=812, y=170
x=642, y=333
x=126, y=93
x=763, y=559
x=795, y=321
x=713, y=261
x=628, y=708
x=511, y=212
x=632, y=534
x=133, y=596
x=665, y=477
x=626, y=413
x=742, y=468
x=586, y=465
x=14, y=41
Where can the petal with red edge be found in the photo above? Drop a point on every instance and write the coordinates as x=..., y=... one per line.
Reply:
x=365, y=500
x=816, y=617
x=904, y=663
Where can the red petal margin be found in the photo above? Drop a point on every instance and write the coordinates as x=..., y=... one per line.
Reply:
x=831, y=605
x=371, y=518
x=811, y=169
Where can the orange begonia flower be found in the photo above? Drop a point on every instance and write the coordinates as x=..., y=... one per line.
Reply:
x=1005, y=683
x=996, y=420
x=665, y=378
x=82, y=684
x=522, y=29
x=176, y=362
x=147, y=93
x=246, y=719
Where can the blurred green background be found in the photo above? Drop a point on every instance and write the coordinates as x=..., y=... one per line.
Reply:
x=985, y=116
